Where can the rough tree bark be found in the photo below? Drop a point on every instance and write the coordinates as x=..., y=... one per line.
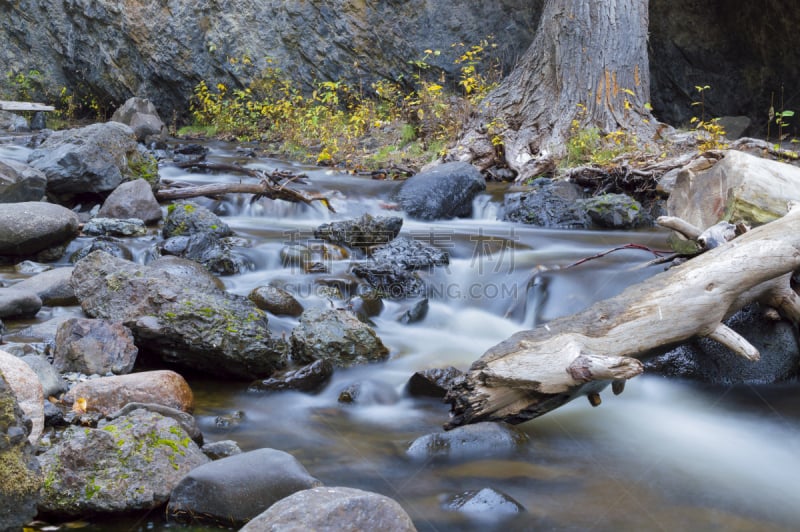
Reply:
x=539, y=370
x=588, y=63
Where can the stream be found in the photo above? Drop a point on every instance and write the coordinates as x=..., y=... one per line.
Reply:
x=665, y=455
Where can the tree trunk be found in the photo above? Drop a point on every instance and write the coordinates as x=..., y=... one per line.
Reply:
x=587, y=67
x=539, y=370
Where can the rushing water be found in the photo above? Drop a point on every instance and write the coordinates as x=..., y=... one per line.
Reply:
x=665, y=455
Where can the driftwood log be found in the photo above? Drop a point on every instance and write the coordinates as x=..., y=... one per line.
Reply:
x=536, y=371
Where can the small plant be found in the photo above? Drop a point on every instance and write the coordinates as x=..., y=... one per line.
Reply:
x=711, y=133
x=590, y=145
x=781, y=119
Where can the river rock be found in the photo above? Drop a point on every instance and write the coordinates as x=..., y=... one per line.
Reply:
x=361, y=232
x=708, y=361
x=486, y=439
x=20, y=182
x=335, y=335
x=107, y=395
x=369, y=392
x=142, y=117
x=13, y=122
x=188, y=271
x=114, y=227
x=18, y=303
x=126, y=464
x=20, y=475
x=221, y=449
x=92, y=159
x=107, y=244
x=309, y=378
x=204, y=329
x=32, y=227
x=333, y=508
x=132, y=199
x=410, y=254
x=739, y=187
x=389, y=280
x=549, y=203
x=52, y=383
x=208, y=249
x=444, y=192
x=485, y=505
x=187, y=218
x=615, y=211
x=94, y=346
x=25, y=385
x=414, y=312
x=53, y=287
x=275, y=300
x=234, y=490
x=434, y=382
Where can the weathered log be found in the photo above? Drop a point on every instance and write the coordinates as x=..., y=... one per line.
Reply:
x=536, y=371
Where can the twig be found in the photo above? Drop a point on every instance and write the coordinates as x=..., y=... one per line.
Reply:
x=656, y=252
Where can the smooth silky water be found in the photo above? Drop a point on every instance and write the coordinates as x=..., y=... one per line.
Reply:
x=664, y=455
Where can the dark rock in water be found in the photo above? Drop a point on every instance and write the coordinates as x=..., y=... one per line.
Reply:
x=203, y=329
x=486, y=504
x=485, y=439
x=366, y=305
x=432, y=382
x=191, y=149
x=234, y=490
x=549, y=203
x=20, y=477
x=187, y=218
x=127, y=464
x=132, y=199
x=142, y=117
x=275, y=300
x=410, y=254
x=415, y=313
x=335, y=335
x=94, y=346
x=207, y=249
x=94, y=159
x=369, y=392
x=615, y=211
x=309, y=378
x=390, y=281
x=16, y=303
x=361, y=232
x=708, y=361
x=333, y=508
x=229, y=420
x=20, y=182
x=444, y=192
x=109, y=245
x=114, y=227
x=32, y=227
x=221, y=449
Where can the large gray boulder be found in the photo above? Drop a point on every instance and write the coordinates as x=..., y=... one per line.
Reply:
x=184, y=321
x=132, y=199
x=235, y=489
x=548, y=203
x=330, y=509
x=446, y=191
x=335, y=335
x=32, y=227
x=20, y=182
x=93, y=159
x=20, y=476
x=52, y=286
x=142, y=117
x=19, y=303
x=129, y=463
x=94, y=346
x=480, y=440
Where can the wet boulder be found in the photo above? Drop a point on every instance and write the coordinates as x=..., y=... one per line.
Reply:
x=31, y=228
x=486, y=439
x=20, y=182
x=185, y=322
x=615, y=211
x=53, y=287
x=94, y=346
x=369, y=392
x=549, y=203
x=444, y=192
x=308, y=378
x=434, y=382
x=25, y=385
x=234, y=490
x=19, y=303
x=208, y=249
x=94, y=159
x=708, y=361
x=335, y=335
x=188, y=271
x=112, y=246
x=142, y=117
x=20, y=475
x=107, y=395
x=129, y=463
x=187, y=218
x=333, y=508
x=410, y=254
x=389, y=280
x=132, y=199
x=114, y=227
x=361, y=232
x=486, y=505
x=275, y=300
x=52, y=382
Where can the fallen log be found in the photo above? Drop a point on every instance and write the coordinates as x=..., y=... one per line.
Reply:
x=538, y=370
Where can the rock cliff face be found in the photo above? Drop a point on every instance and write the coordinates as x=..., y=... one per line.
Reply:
x=160, y=50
